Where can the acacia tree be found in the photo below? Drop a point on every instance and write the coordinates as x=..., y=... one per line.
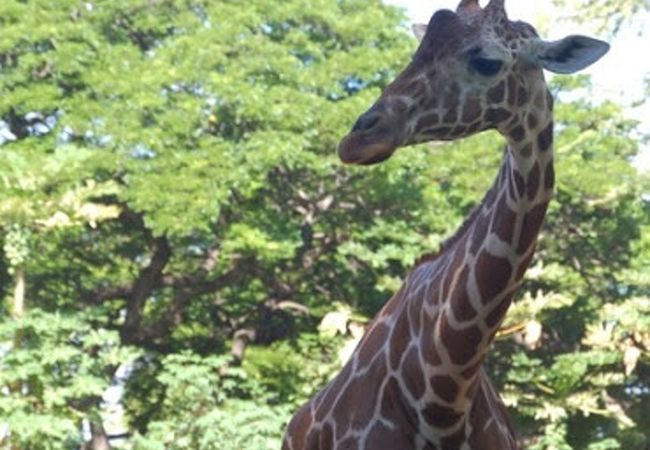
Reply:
x=170, y=191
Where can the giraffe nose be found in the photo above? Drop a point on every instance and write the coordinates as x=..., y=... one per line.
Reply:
x=367, y=122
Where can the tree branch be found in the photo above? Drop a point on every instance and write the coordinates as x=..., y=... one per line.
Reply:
x=190, y=289
x=146, y=282
x=240, y=341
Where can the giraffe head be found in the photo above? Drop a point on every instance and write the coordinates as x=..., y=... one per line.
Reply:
x=473, y=70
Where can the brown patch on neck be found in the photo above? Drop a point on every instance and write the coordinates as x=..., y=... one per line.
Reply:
x=461, y=305
x=532, y=186
x=445, y=387
x=545, y=138
x=441, y=416
x=462, y=345
x=530, y=228
x=504, y=223
x=527, y=150
x=371, y=344
x=412, y=374
x=518, y=133
x=492, y=275
x=399, y=340
x=549, y=176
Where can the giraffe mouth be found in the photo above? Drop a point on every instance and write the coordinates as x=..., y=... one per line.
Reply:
x=358, y=148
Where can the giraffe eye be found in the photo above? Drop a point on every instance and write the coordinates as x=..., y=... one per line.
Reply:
x=485, y=66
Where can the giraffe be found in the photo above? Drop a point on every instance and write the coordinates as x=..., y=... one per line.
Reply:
x=415, y=380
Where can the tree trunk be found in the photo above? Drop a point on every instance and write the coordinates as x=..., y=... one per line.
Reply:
x=99, y=439
x=18, y=310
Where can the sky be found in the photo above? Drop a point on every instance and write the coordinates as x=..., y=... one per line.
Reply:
x=617, y=76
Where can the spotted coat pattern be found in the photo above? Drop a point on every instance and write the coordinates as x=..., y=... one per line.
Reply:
x=416, y=381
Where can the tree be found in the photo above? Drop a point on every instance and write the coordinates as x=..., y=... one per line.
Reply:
x=608, y=16
x=170, y=191
x=173, y=165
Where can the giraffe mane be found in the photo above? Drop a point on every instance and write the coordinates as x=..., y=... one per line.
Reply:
x=453, y=239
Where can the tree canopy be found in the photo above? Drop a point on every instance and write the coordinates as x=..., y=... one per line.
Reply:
x=184, y=259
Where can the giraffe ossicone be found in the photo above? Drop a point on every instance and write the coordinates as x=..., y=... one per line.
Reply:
x=415, y=381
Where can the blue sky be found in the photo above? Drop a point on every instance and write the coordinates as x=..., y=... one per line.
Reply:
x=618, y=76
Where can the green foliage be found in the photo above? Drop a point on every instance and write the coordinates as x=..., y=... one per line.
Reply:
x=608, y=15
x=169, y=185
x=292, y=372
x=16, y=246
x=201, y=410
x=53, y=376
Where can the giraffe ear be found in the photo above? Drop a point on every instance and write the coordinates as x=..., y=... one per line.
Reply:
x=571, y=54
x=419, y=30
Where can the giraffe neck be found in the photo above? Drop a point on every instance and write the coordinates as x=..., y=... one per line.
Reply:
x=465, y=293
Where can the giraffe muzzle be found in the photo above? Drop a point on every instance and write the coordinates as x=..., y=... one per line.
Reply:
x=355, y=149
x=369, y=142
